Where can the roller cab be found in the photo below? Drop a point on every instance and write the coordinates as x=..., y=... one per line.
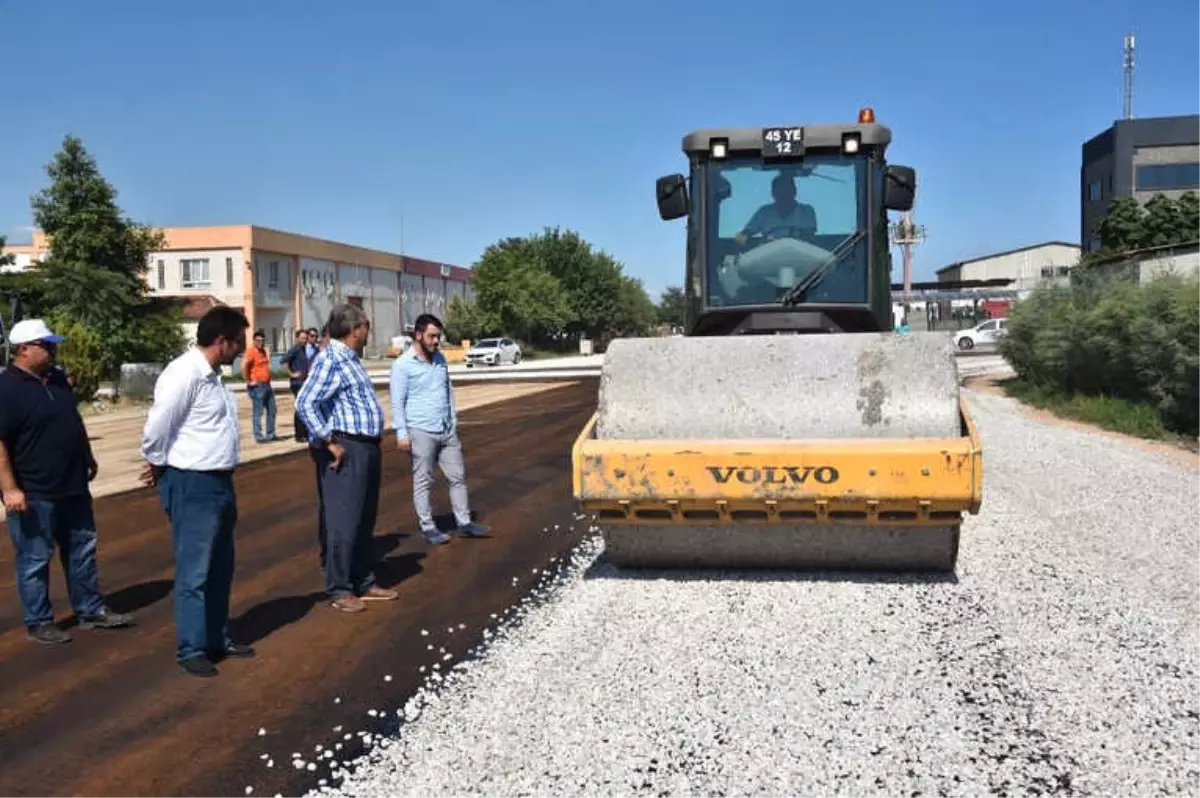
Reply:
x=789, y=426
x=876, y=481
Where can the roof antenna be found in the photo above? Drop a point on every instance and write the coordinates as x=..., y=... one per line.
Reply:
x=1128, y=77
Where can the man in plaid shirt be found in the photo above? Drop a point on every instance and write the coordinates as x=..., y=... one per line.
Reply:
x=345, y=424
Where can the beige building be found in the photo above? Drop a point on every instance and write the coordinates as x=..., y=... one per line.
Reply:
x=286, y=281
x=1027, y=267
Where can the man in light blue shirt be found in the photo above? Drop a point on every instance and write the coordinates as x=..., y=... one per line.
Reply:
x=426, y=423
x=785, y=217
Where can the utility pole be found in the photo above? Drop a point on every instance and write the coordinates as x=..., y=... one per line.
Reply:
x=1128, y=98
x=905, y=234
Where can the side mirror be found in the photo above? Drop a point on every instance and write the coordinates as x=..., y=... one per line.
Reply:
x=899, y=188
x=672, y=197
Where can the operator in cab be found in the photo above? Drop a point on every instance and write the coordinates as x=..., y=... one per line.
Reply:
x=785, y=215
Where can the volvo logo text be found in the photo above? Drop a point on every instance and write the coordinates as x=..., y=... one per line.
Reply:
x=774, y=475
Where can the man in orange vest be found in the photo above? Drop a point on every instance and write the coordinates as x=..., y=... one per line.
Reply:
x=256, y=368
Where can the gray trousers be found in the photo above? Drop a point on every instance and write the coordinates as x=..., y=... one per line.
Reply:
x=446, y=451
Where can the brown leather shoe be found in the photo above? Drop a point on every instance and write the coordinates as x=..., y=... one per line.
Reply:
x=377, y=593
x=348, y=604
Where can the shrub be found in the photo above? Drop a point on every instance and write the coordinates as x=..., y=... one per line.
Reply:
x=1114, y=339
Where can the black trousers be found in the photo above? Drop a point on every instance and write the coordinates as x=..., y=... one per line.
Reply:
x=351, y=498
x=301, y=431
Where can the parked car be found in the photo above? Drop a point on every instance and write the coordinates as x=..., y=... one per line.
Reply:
x=493, y=352
x=986, y=334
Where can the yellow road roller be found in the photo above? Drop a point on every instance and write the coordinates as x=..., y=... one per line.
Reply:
x=789, y=426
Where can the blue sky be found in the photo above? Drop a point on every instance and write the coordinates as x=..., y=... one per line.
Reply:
x=475, y=120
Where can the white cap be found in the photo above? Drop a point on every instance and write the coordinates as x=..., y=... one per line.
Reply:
x=30, y=330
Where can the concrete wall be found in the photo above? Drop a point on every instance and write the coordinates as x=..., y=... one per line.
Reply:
x=318, y=291
x=273, y=281
x=435, y=297
x=1185, y=264
x=1028, y=267
x=1169, y=155
x=225, y=274
x=412, y=298
x=279, y=326
x=21, y=261
x=385, y=318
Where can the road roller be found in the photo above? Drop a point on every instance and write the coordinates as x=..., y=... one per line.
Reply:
x=789, y=425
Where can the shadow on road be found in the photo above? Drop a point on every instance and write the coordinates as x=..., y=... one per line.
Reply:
x=603, y=569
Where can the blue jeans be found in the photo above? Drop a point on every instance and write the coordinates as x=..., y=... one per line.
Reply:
x=69, y=523
x=262, y=396
x=202, y=509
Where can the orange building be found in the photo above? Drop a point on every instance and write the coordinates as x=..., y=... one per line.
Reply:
x=285, y=281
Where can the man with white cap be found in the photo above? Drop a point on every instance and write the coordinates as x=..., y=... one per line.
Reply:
x=46, y=463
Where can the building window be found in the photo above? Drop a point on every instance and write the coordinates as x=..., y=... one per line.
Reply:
x=1168, y=176
x=1062, y=271
x=273, y=274
x=1093, y=191
x=1047, y=272
x=194, y=273
x=162, y=275
x=229, y=272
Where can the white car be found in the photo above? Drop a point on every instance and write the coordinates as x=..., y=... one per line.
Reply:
x=493, y=352
x=987, y=334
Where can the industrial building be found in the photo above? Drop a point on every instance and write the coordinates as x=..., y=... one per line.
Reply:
x=286, y=281
x=1136, y=158
x=1026, y=267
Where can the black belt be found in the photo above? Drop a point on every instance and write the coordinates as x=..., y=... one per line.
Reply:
x=349, y=436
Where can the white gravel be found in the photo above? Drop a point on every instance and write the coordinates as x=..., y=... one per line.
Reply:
x=1063, y=660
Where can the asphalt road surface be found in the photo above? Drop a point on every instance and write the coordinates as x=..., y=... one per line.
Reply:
x=111, y=713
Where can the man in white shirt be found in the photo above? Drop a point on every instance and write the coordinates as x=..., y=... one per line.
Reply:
x=190, y=443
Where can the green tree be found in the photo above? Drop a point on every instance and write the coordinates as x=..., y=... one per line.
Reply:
x=515, y=295
x=671, y=306
x=1160, y=223
x=95, y=272
x=1188, y=221
x=550, y=288
x=635, y=313
x=1121, y=230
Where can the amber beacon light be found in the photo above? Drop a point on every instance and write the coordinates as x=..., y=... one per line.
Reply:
x=866, y=116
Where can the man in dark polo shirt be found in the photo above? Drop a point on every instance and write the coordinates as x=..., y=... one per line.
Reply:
x=46, y=463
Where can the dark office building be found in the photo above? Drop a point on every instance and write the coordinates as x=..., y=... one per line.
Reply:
x=1140, y=158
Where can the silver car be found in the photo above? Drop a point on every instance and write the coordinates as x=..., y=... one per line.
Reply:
x=493, y=352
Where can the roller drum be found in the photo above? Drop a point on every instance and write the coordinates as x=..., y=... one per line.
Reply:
x=868, y=385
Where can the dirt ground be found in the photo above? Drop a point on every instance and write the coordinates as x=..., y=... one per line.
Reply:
x=111, y=714
x=116, y=435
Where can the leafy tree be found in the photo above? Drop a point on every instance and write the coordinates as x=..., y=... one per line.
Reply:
x=671, y=306
x=95, y=272
x=1187, y=223
x=1121, y=229
x=515, y=295
x=549, y=289
x=636, y=314
x=1160, y=223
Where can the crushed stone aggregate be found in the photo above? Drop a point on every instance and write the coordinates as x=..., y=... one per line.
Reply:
x=1060, y=659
